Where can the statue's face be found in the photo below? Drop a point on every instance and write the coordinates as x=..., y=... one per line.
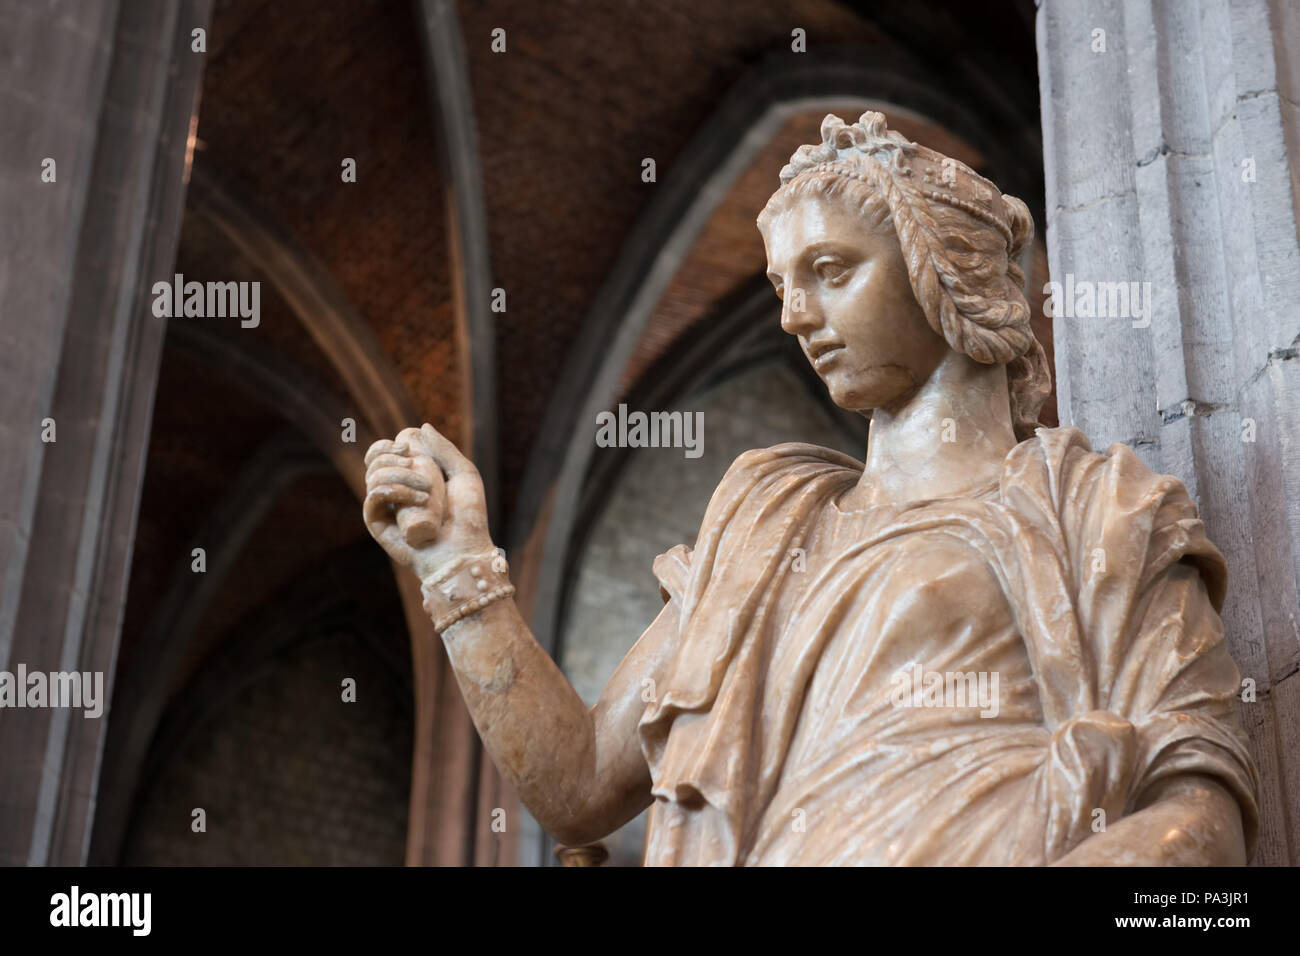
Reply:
x=860, y=325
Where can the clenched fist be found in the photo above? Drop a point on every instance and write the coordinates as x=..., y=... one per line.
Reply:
x=424, y=500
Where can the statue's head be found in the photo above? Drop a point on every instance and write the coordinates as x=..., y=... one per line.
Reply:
x=887, y=255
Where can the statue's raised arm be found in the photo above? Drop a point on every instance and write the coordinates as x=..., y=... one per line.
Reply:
x=579, y=771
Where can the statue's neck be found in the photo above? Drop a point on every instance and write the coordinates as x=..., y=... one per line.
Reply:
x=948, y=440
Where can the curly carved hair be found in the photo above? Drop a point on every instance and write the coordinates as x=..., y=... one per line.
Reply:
x=960, y=237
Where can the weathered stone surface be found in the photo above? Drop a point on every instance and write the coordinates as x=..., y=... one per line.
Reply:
x=112, y=106
x=1195, y=154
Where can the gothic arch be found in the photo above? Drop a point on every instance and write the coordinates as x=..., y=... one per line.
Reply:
x=556, y=498
x=695, y=185
x=445, y=748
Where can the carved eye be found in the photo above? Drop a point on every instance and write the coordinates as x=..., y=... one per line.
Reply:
x=830, y=269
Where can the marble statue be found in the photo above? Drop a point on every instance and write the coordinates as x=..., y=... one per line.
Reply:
x=986, y=644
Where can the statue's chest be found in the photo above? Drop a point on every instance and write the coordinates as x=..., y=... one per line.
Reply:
x=869, y=613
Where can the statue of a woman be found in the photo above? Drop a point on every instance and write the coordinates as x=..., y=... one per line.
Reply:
x=996, y=646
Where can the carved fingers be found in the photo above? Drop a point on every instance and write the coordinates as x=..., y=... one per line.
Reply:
x=446, y=454
x=391, y=475
x=416, y=484
x=391, y=483
x=464, y=486
x=397, y=449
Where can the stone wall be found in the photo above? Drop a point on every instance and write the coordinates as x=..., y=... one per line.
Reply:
x=1170, y=161
x=287, y=773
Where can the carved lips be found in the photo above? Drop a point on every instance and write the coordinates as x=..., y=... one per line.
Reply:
x=823, y=353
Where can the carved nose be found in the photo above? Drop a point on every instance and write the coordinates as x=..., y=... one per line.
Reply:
x=802, y=321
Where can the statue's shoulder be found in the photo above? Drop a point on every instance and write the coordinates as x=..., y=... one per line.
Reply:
x=762, y=490
x=1064, y=459
x=1110, y=501
x=759, y=463
x=761, y=477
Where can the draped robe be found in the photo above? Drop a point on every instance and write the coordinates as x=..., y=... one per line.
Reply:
x=1084, y=582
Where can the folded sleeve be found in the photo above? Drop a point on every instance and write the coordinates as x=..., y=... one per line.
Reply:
x=1149, y=585
x=1179, y=688
x=672, y=569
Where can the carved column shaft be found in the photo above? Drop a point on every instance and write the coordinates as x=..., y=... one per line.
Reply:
x=106, y=91
x=1170, y=150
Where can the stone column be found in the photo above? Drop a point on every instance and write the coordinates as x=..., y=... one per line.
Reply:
x=96, y=104
x=1170, y=134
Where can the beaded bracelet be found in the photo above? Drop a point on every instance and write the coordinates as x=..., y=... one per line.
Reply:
x=473, y=606
x=468, y=584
